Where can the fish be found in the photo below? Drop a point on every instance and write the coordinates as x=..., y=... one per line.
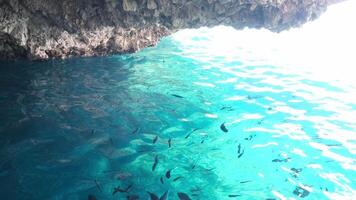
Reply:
x=239, y=149
x=280, y=160
x=118, y=189
x=164, y=196
x=155, y=139
x=229, y=108
x=242, y=153
x=187, y=136
x=170, y=143
x=178, y=96
x=242, y=182
x=296, y=170
x=202, y=142
x=234, y=195
x=93, y=131
x=155, y=163
x=153, y=196
x=176, y=179
x=91, y=197
x=223, y=128
x=183, y=196
x=161, y=179
x=301, y=192
x=136, y=130
x=168, y=174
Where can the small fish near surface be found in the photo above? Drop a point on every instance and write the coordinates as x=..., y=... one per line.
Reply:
x=228, y=108
x=177, y=178
x=233, y=195
x=161, y=179
x=281, y=160
x=183, y=196
x=155, y=163
x=118, y=189
x=242, y=153
x=301, y=192
x=155, y=197
x=178, y=96
x=168, y=174
x=170, y=142
x=137, y=130
x=242, y=182
x=223, y=128
x=91, y=197
x=155, y=139
x=187, y=136
x=239, y=149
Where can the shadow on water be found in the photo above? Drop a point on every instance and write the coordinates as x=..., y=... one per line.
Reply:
x=77, y=127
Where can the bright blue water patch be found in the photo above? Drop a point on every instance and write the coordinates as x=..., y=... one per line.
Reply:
x=87, y=126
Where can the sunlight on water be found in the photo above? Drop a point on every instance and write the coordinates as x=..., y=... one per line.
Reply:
x=211, y=113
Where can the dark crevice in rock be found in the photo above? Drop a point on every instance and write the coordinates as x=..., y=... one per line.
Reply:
x=42, y=29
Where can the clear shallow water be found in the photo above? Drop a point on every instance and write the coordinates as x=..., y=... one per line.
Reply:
x=86, y=126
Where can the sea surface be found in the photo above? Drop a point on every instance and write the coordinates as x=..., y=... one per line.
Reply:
x=212, y=114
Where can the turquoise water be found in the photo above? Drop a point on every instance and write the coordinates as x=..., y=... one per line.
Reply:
x=228, y=125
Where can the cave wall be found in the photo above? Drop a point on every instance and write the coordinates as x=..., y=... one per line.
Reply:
x=42, y=29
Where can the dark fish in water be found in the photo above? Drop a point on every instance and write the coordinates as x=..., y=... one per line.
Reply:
x=153, y=196
x=91, y=197
x=239, y=149
x=155, y=140
x=187, y=136
x=164, y=196
x=280, y=160
x=93, y=131
x=250, y=137
x=202, y=142
x=229, y=108
x=118, y=189
x=133, y=197
x=111, y=141
x=223, y=128
x=136, y=131
x=301, y=192
x=170, y=143
x=183, y=196
x=178, y=96
x=296, y=170
x=161, y=179
x=168, y=174
x=234, y=195
x=155, y=163
x=193, y=166
x=176, y=179
x=242, y=182
x=242, y=153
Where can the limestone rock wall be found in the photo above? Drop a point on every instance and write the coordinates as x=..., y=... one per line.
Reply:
x=42, y=29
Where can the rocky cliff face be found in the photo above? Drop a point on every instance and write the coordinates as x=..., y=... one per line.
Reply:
x=42, y=29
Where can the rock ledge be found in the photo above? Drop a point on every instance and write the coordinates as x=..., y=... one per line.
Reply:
x=42, y=29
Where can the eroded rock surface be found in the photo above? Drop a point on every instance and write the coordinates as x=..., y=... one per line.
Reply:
x=42, y=29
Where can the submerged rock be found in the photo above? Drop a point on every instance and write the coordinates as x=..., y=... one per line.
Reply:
x=42, y=29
